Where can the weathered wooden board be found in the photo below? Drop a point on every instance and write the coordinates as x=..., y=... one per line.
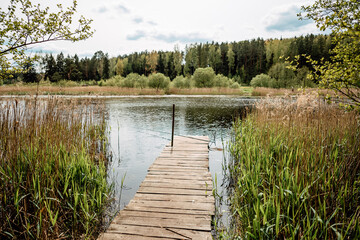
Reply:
x=175, y=200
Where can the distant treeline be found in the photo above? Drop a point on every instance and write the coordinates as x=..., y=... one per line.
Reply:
x=241, y=61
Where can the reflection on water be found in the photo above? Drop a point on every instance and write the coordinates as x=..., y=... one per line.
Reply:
x=140, y=127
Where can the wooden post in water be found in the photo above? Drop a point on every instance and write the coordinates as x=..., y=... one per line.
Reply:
x=173, y=126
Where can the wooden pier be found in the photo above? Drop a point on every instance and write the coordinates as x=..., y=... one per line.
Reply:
x=175, y=200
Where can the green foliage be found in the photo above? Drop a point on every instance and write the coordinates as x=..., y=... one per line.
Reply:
x=294, y=172
x=25, y=23
x=158, y=81
x=235, y=85
x=1, y=82
x=130, y=80
x=142, y=82
x=262, y=80
x=221, y=81
x=204, y=77
x=342, y=72
x=181, y=82
x=284, y=77
x=115, y=81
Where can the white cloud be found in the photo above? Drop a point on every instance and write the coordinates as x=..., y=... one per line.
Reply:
x=123, y=27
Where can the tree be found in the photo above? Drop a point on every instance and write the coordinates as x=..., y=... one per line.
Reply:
x=60, y=65
x=204, y=77
x=151, y=62
x=231, y=59
x=106, y=70
x=49, y=66
x=119, y=68
x=29, y=73
x=342, y=72
x=178, y=58
x=24, y=24
x=158, y=81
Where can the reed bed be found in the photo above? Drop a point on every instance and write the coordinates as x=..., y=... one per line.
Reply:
x=52, y=169
x=294, y=171
x=112, y=90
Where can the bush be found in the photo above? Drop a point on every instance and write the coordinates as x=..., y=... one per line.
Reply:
x=261, y=80
x=141, y=82
x=114, y=81
x=1, y=82
x=130, y=80
x=221, y=81
x=204, y=77
x=181, y=82
x=158, y=81
x=67, y=83
x=235, y=85
x=284, y=77
x=302, y=79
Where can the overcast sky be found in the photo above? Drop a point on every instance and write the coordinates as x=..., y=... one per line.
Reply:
x=126, y=26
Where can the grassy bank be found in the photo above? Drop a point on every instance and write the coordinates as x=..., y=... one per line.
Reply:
x=295, y=172
x=52, y=170
x=115, y=91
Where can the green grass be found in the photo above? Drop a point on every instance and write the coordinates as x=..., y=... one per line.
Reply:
x=52, y=170
x=294, y=172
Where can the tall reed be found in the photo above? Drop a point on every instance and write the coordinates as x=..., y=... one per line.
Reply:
x=52, y=169
x=295, y=171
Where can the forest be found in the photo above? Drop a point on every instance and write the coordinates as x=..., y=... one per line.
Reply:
x=240, y=61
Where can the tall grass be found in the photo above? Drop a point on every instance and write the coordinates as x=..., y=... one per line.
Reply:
x=52, y=169
x=295, y=171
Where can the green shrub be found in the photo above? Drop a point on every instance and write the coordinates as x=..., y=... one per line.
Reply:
x=235, y=85
x=221, y=81
x=130, y=80
x=158, y=81
x=261, y=80
x=284, y=77
x=1, y=82
x=141, y=82
x=204, y=77
x=67, y=83
x=302, y=78
x=115, y=81
x=181, y=82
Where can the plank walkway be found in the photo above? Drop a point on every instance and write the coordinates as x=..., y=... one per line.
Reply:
x=175, y=200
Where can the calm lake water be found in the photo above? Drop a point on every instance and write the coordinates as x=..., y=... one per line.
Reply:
x=140, y=127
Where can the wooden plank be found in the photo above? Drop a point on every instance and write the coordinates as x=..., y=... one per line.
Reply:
x=175, y=191
x=143, y=231
x=179, y=181
x=175, y=175
x=169, y=197
x=181, y=163
x=177, y=168
x=175, y=200
x=176, y=186
x=117, y=236
x=192, y=234
x=209, y=207
x=143, y=214
x=193, y=224
x=167, y=210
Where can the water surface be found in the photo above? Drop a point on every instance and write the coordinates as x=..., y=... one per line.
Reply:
x=140, y=127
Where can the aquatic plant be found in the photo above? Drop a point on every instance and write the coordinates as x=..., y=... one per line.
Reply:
x=294, y=171
x=52, y=169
